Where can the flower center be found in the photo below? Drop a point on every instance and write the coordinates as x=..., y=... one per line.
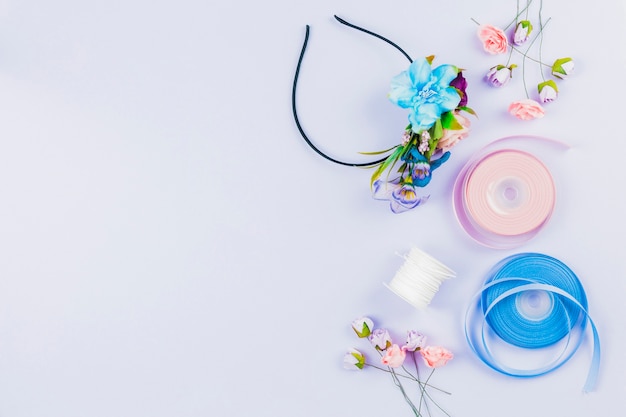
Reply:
x=421, y=171
x=408, y=193
x=426, y=93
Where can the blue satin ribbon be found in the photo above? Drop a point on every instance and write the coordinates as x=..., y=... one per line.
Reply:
x=531, y=301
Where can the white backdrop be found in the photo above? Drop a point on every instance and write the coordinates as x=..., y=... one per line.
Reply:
x=170, y=246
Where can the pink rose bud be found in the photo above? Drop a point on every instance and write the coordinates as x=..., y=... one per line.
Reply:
x=353, y=360
x=393, y=357
x=452, y=136
x=563, y=67
x=526, y=109
x=414, y=341
x=548, y=91
x=499, y=75
x=363, y=326
x=436, y=356
x=522, y=32
x=380, y=339
x=493, y=39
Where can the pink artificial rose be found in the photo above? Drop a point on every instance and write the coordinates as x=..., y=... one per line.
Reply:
x=436, y=356
x=452, y=136
x=526, y=109
x=393, y=357
x=494, y=40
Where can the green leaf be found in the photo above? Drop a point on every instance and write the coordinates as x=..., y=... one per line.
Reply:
x=468, y=110
x=386, y=163
x=437, y=130
x=448, y=121
x=379, y=152
x=549, y=83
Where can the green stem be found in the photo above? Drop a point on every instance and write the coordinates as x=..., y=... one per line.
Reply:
x=397, y=382
x=428, y=395
x=519, y=13
x=422, y=387
x=411, y=377
x=530, y=57
x=525, y=55
x=508, y=61
x=541, y=40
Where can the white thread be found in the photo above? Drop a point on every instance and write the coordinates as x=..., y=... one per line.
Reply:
x=419, y=278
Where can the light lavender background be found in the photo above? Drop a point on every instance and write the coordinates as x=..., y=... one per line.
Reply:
x=171, y=247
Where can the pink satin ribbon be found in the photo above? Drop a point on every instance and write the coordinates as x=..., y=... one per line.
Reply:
x=505, y=195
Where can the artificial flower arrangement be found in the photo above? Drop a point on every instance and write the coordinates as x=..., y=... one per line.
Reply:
x=495, y=41
x=436, y=98
x=393, y=358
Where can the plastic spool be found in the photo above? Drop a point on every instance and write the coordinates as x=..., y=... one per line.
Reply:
x=419, y=278
x=505, y=195
x=530, y=317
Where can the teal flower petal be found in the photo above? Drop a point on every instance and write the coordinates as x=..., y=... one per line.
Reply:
x=426, y=92
x=445, y=74
x=420, y=73
x=449, y=98
x=402, y=91
x=423, y=116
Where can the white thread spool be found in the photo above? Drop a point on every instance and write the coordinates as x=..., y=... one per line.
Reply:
x=419, y=278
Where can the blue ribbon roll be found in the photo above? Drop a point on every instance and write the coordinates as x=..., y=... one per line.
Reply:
x=531, y=302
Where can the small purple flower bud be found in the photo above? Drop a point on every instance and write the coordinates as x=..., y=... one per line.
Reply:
x=548, y=91
x=500, y=75
x=353, y=360
x=421, y=170
x=522, y=32
x=414, y=341
x=562, y=67
x=363, y=326
x=380, y=339
x=460, y=83
x=423, y=145
x=406, y=137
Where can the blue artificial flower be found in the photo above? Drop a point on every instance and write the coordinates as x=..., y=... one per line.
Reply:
x=426, y=92
x=421, y=168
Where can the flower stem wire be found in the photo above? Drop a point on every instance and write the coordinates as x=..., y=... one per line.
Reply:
x=525, y=54
x=294, y=90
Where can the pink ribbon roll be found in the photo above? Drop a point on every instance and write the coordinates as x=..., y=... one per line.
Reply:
x=504, y=195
